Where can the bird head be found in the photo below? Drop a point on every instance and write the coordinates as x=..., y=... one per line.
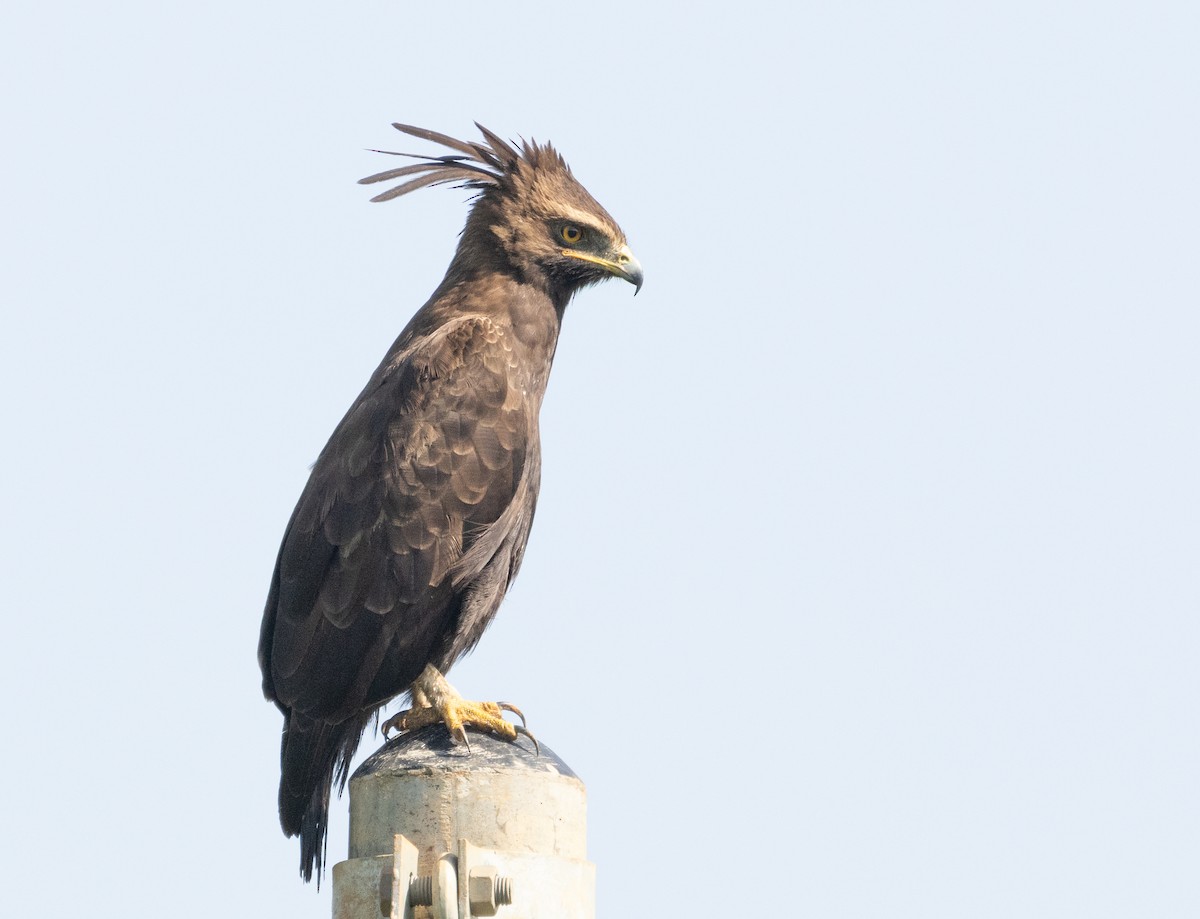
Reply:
x=532, y=213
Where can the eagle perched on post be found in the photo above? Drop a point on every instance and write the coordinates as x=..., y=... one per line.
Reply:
x=415, y=517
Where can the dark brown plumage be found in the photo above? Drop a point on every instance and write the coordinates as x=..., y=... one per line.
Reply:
x=414, y=520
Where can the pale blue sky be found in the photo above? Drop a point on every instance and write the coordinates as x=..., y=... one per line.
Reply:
x=866, y=557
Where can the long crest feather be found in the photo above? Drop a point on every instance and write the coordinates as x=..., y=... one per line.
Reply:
x=440, y=177
x=499, y=145
x=444, y=139
x=477, y=165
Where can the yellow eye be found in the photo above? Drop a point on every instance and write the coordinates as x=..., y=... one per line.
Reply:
x=571, y=234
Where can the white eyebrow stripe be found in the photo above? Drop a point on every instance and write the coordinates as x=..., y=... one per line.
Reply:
x=583, y=217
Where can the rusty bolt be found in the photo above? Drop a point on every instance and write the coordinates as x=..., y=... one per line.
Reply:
x=487, y=891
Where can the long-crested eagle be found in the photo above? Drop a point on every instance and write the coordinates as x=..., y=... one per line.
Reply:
x=415, y=517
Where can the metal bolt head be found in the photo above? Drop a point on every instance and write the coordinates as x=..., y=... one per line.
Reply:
x=487, y=891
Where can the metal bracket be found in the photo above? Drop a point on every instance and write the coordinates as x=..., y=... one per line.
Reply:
x=378, y=886
x=471, y=883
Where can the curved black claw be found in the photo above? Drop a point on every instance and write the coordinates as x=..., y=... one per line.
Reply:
x=520, y=729
x=509, y=707
x=392, y=724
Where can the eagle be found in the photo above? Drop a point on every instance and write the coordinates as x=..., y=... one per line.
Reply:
x=415, y=516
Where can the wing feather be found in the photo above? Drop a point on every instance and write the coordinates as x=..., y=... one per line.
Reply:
x=426, y=462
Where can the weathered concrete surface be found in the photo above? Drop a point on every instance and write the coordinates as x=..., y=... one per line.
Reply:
x=497, y=811
x=499, y=796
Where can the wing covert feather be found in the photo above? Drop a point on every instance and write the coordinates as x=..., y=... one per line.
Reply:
x=425, y=462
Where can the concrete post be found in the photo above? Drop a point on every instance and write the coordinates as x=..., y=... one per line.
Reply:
x=437, y=832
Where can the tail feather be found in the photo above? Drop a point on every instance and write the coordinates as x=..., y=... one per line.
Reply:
x=315, y=755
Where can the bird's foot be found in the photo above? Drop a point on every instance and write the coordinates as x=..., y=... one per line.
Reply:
x=436, y=701
x=460, y=714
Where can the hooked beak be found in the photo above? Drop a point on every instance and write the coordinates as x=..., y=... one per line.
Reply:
x=622, y=264
x=627, y=267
